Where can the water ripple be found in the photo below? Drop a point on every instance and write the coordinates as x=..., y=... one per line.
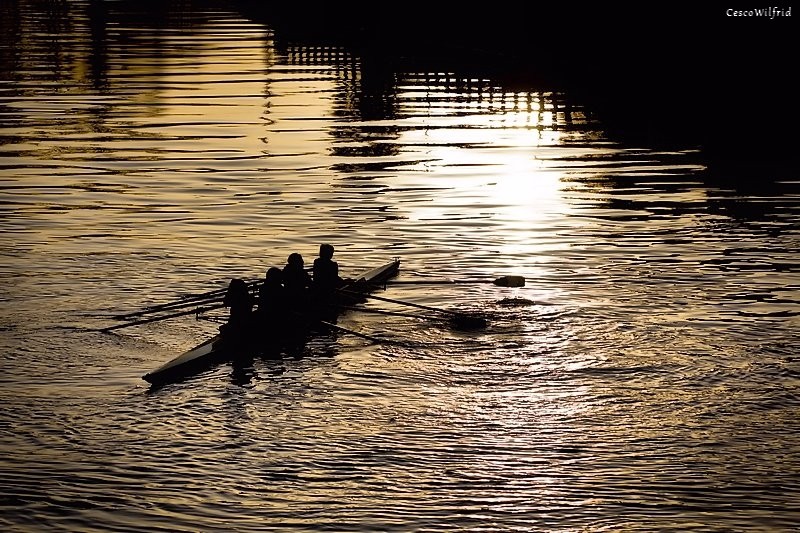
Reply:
x=645, y=378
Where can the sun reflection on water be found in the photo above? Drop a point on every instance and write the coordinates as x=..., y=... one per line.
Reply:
x=497, y=172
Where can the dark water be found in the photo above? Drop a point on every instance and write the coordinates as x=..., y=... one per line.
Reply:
x=646, y=378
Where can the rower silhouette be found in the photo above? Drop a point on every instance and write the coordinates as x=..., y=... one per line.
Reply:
x=272, y=299
x=296, y=281
x=238, y=299
x=326, y=271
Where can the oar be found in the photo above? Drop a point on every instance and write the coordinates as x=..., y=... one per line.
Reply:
x=215, y=293
x=343, y=329
x=184, y=301
x=221, y=292
x=337, y=327
x=462, y=320
x=391, y=313
x=162, y=317
x=170, y=307
x=503, y=281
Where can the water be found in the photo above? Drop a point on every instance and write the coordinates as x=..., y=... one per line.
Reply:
x=646, y=378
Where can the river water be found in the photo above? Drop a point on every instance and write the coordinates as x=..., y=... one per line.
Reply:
x=645, y=378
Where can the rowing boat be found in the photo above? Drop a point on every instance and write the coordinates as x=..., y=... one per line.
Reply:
x=217, y=348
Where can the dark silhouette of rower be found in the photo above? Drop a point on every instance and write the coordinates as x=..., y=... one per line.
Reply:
x=296, y=281
x=326, y=271
x=272, y=297
x=238, y=299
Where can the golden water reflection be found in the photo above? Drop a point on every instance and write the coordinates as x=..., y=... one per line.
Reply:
x=627, y=356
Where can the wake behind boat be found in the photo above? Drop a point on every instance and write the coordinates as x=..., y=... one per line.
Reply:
x=223, y=346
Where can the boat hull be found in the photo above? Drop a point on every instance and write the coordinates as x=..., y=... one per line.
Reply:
x=219, y=348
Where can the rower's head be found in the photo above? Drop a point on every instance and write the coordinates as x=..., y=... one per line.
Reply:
x=326, y=251
x=237, y=293
x=295, y=259
x=274, y=275
x=237, y=285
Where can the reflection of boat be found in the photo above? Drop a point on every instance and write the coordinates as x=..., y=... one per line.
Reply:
x=220, y=347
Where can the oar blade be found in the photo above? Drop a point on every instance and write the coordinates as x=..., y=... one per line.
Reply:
x=510, y=281
x=468, y=322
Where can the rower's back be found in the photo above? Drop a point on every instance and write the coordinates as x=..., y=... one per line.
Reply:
x=296, y=281
x=272, y=294
x=238, y=300
x=326, y=271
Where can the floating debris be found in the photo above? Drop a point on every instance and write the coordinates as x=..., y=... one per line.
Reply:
x=516, y=302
